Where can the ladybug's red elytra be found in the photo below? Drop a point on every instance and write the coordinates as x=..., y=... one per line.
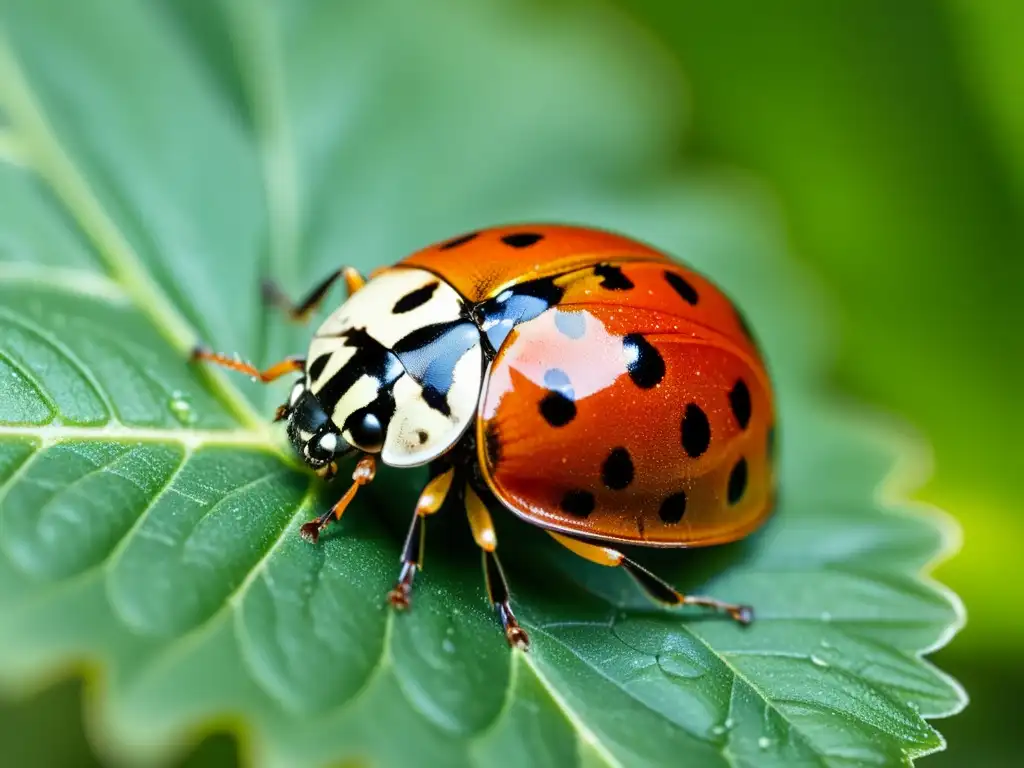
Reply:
x=584, y=381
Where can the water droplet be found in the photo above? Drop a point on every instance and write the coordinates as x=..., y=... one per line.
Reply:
x=448, y=646
x=914, y=706
x=826, y=644
x=826, y=616
x=764, y=742
x=728, y=725
x=680, y=665
x=181, y=408
x=818, y=661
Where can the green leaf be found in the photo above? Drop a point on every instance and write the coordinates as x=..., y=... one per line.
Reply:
x=158, y=161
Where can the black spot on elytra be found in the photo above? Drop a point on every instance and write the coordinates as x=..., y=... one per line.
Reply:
x=492, y=444
x=737, y=481
x=557, y=409
x=422, y=436
x=739, y=400
x=522, y=239
x=673, y=508
x=570, y=323
x=414, y=299
x=617, y=470
x=455, y=243
x=681, y=286
x=557, y=406
x=578, y=503
x=645, y=364
x=317, y=366
x=612, y=278
x=696, y=431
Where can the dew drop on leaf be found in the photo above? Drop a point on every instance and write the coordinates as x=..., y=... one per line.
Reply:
x=818, y=661
x=680, y=665
x=764, y=742
x=728, y=725
x=181, y=409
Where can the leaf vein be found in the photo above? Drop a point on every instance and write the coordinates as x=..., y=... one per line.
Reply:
x=70, y=186
x=231, y=603
x=583, y=732
x=72, y=359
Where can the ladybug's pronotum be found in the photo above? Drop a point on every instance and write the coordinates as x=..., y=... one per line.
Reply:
x=580, y=379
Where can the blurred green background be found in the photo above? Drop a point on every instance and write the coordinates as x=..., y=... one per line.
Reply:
x=891, y=133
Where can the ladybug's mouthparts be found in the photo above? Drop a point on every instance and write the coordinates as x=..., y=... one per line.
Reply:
x=313, y=435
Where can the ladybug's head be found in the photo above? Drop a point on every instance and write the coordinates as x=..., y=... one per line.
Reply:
x=396, y=371
x=314, y=436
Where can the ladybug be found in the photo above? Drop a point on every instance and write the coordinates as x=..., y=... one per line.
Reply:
x=582, y=380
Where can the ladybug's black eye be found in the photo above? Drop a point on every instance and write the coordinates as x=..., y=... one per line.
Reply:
x=367, y=432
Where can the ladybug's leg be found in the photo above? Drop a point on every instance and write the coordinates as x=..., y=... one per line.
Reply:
x=364, y=472
x=274, y=372
x=497, y=587
x=656, y=588
x=300, y=312
x=430, y=501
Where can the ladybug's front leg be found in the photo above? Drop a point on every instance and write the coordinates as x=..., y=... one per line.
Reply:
x=656, y=588
x=497, y=587
x=365, y=470
x=430, y=501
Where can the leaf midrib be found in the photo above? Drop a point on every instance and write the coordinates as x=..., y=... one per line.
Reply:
x=56, y=432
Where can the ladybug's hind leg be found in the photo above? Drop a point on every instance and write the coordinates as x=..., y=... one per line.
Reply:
x=655, y=587
x=272, y=294
x=430, y=501
x=497, y=587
